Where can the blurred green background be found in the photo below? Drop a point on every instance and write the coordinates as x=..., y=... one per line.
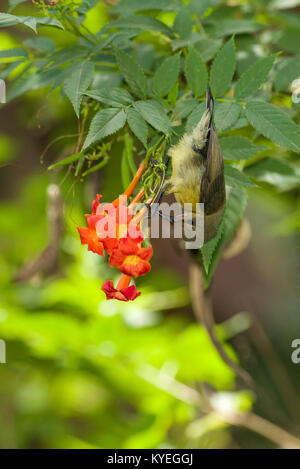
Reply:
x=82, y=372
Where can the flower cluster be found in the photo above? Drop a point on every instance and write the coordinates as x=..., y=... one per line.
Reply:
x=113, y=228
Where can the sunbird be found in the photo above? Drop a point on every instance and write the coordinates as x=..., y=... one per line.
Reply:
x=198, y=171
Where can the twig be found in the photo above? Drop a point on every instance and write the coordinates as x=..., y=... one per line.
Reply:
x=203, y=312
x=47, y=260
x=261, y=426
x=240, y=241
x=61, y=137
x=251, y=421
x=164, y=381
x=280, y=377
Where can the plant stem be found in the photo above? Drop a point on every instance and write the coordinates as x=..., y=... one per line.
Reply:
x=249, y=420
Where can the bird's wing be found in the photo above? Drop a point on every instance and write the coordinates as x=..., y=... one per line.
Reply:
x=212, y=191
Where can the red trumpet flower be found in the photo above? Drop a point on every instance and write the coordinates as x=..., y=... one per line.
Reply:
x=131, y=258
x=112, y=228
x=123, y=292
x=89, y=236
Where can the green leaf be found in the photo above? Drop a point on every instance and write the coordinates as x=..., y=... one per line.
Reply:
x=210, y=246
x=241, y=122
x=47, y=21
x=254, y=77
x=183, y=23
x=226, y=114
x=229, y=26
x=67, y=161
x=173, y=94
x=13, y=53
x=131, y=6
x=68, y=54
x=289, y=39
x=235, y=147
x=61, y=74
x=97, y=166
x=137, y=125
x=234, y=210
x=195, y=72
x=76, y=84
x=85, y=6
x=142, y=22
x=274, y=123
x=208, y=47
x=42, y=44
x=199, y=7
x=166, y=75
x=7, y=20
x=104, y=123
x=79, y=165
x=145, y=55
x=31, y=22
x=155, y=115
x=270, y=165
x=222, y=69
x=195, y=117
x=180, y=43
x=114, y=97
x=132, y=73
x=184, y=108
x=278, y=173
x=5, y=72
x=236, y=178
x=14, y=3
x=34, y=81
x=287, y=74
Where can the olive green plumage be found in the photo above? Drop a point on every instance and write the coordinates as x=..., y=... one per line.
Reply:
x=198, y=171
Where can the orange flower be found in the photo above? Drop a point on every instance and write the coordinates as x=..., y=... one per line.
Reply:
x=96, y=204
x=100, y=213
x=89, y=236
x=112, y=225
x=131, y=258
x=112, y=228
x=123, y=292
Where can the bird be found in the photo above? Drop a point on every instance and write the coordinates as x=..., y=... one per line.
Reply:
x=198, y=171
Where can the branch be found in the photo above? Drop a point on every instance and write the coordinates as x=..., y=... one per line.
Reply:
x=203, y=311
x=47, y=260
x=240, y=241
x=251, y=421
x=273, y=362
x=261, y=426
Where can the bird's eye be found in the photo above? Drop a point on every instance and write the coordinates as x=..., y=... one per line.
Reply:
x=197, y=150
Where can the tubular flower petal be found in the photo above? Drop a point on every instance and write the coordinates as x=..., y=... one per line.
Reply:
x=121, y=293
x=110, y=244
x=92, y=221
x=131, y=258
x=122, y=232
x=112, y=225
x=89, y=237
x=96, y=204
x=120, y=214
x=131, y=245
